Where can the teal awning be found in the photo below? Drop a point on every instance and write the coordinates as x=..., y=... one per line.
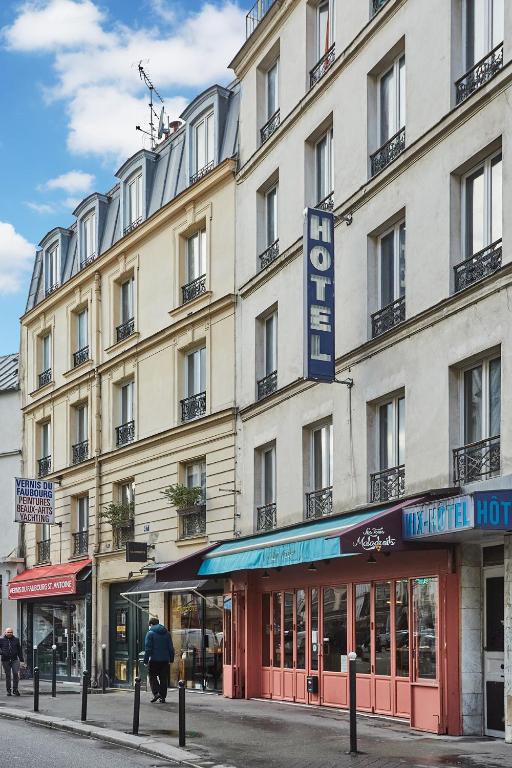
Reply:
x=304, y=544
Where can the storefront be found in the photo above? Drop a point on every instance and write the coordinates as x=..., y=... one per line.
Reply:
x=55, y=609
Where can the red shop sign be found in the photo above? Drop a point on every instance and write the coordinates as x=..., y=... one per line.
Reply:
x=52, y=585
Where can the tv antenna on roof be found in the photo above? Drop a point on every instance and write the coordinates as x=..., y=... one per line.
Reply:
x=162, y=129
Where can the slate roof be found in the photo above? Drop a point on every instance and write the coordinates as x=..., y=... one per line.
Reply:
x=9, y=372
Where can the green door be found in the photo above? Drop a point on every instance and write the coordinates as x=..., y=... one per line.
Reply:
x=128, y=625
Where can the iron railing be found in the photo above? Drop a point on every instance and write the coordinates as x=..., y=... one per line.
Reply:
x=125, y=329
x=256, y=14
x=270, y=126
x=45, y=377
x=480, y=265
x=44, y=466
x=43, y=551
x=480, y=74
x=319, y=503
x=122, y=535
x=88, y=260
x=52, y=289
x=125, y=433
x=377, y=5
x=322, y=66
x=327, y=204
x=267, y=385
x=270, y=254
x=133, y=225
x=387, y=317
x=202, y=172
x=476, y=460
x=193, y=289
x=80, y=543
x=192, y=521
x=266, y=517
x=387, y=484
x=388, y=152
x=193, y=407
x=80, y=451
x=80, y=356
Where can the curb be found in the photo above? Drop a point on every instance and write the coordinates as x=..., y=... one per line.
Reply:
x=146, y=745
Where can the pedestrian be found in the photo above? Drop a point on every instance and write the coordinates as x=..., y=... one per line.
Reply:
x=158, y=654
x=12, y=657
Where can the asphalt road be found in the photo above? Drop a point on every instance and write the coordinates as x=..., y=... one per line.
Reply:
x=29, y=746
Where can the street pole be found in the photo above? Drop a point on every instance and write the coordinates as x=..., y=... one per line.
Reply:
x=103, y=668
x=352, y=656
x=34, y=657
x=136, y=707
x=54, y=671
x=85, y=685
x=36, y=689
x=181, y=713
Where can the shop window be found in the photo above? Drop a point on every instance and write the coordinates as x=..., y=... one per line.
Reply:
x=425, y=627
x=363, y=628
x=300, y=620
x=277, y=649
x=334, y=635
x=402, y=627
x=228, y=610
x=382, y=628
x=314, y=629
x=266, y=629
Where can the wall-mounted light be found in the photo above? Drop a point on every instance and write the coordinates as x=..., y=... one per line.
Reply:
x=312, y=567
x=371, y=559
x=265, y=575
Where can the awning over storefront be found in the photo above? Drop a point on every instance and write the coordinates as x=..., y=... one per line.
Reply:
x=149, y=584
x=47, y=580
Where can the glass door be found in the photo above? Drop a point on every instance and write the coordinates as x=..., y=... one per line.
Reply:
x=334, y=646
x=494, y=657
x=425, y=688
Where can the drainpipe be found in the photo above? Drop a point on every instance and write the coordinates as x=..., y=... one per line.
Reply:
x=97, y=477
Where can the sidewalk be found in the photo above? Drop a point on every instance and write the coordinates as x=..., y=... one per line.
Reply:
x=257, y=734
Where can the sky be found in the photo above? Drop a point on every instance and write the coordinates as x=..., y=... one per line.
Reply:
x=70, y=97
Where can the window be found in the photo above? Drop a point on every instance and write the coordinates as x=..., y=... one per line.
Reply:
x=127, y=493
x=270, y=341
x=135, y=208
x=126, y=497
x=46, y=353
x=392, y=101
x=127, y=402
x=392, y=433
x=89, y=238
x=196, y=256
x=321, y=457
x=82, y=513
x=51, y=269
x=81, y=423
x=204, y=142
x=268, y=476
x=195, y=476
x=272, y=89
x=45, y=460
x=482, y=203
x=127, y=326
x=80, y=447
x=482, y=401
x=483, y=25
x=271, y=216
x=324, y=163
x=196, y=372
x=192, y=520
x=392, y=265
x=45, y=439
x=324, y=27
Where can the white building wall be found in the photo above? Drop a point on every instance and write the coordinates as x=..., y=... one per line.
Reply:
x=10, y=467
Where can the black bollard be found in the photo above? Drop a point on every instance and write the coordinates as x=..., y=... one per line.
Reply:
x=136, y=707
x=54, y=671
x=181, y=712
x=34, y=657
x=85, y=686
x=36, y=689
x=352, y=701
x=103, y=668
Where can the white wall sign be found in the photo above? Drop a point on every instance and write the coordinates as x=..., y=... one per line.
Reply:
x=34, y=501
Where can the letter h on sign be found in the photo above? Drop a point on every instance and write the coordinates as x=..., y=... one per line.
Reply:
x=318, y=295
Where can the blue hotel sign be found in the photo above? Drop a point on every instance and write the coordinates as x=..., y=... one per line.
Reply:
x=318, y=295
x=489, y=511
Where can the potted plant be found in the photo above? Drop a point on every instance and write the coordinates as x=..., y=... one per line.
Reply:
x=189, y=503
x=121, y=517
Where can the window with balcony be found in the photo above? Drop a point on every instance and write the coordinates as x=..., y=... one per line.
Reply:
x=45, y=375
x=192, y=521
x=268, y=383
x=479, y=457
x=89, y=240
x=390, y=116
x=81, y=535
x=483, y=26
x=195, y=267
x=391, y=280
x=389, y=482
x=319, y=498
x=271, y=237
x=80, y=447
x=45, y=462
x=324, y=172
x=194, y=404
x=44, y=544
x=125, y=432
x=135, y=212
x=482, y=217
x=204, y=147
x=272, y=113
x=127, y=325
x=81, y=355
x=51, y=269
x=126, y=497
x=266, y=512
x=324, y=41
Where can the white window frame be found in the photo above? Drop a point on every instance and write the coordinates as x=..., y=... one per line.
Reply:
x=329, y=170
x=46, y=438
x=138, y=213
x=126, y=492
x=199, y=467
x=488, y=35
x=272, y=317
x=199, y=372
x=395, y=69
x=271, y=449
x=322, y=46
x=89, y=239
x=129, y=304
x=327, y=446
x=393, y=461
x=46, y=352
x=82, y=329
x=485, y=364
x=395, y=229
x=273, y=190
x=208, y=141
x=126, y=402
x=486, y=165
x=82, y=428
x=269, y=112
x=82, y=514
x=199, y=258
x=52, y=266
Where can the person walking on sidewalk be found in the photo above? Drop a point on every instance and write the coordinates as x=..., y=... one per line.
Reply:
x=12, y=657
x=158, y=654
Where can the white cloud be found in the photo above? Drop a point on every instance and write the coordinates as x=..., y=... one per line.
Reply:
x=161, y=9
x=43, y=208
x=16, y=257
x=71, y=182
x=71, y=203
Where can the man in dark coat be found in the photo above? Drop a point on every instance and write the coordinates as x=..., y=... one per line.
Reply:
x=12, y=656
x=158, y=654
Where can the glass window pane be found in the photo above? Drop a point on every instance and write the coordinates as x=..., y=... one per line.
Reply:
x=498, y=15
x=494, y=610
x=266, y=627
x=386, y=435
x=496, y=199
x=324, y=33
x=386, y=107
x=192, y=258
x=314, y=629
x=272, y=91
x=277, y=629
x=321, y=169
x=473, y=405
x=271, y=204
x=476, y=43
x=401, y=93
x=401, y=431
x=210, y=132
x=82, y=329
x=202, y=369
x=202, y=252
x=475, y=213
x=270, y=351
x=300, y=607
x=228, y=605
x=200, y=146
x=288, y=630
x=402, y=627
x=387, y=269
x=268, y=477
x=383, y=628
x=362, y=626
x=334, y=636
x=495, y=397
x=425, y=627
x=401, y=260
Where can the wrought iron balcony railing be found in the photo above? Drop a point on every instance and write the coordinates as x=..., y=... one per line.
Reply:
x=125, y=433
x=319, y=503
x=80, y=543
x=133, y=225
x=80, y=451
x=45, y=377
x=193, y=289
x=89, y=260
x=267, y=385
x=122, y=535
x=388, y=152
x=44, y=466
x=192, y=521
x=266, y=517
x=43, y=551
x=270, y=126
x=377, y=5
x=256, y=14
x=270, y=254
x=193, y=407
x=322, y=66
x=202, y=172
x=52, y=289
x=387, y=317
x=480, y=74
x=327, y=204
x=388, y=484
x=478, y=266
x=125, y=329
x=80, y=356
x=476, y=461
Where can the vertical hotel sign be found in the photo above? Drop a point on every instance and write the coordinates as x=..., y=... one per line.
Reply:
x=318, y=295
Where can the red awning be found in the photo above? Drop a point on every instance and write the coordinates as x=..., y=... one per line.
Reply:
x=46, y=580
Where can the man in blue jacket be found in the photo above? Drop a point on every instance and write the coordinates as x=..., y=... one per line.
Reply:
x=158, y=654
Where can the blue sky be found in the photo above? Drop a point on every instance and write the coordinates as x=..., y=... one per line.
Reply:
x=70, y=98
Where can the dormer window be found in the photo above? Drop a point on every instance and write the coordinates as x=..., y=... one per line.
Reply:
x=51, y=269
x=204, y=147
x=89, y=238
x=135, y=210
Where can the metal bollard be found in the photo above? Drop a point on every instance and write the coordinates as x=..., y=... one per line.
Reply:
x=34, y=657
x=85, y=686
x=103, y=668
x=54, y=671
x=352, y=656
x=36, y=689
x=181, y=713
x=136, y=707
